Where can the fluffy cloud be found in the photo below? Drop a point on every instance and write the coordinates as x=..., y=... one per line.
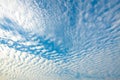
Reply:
x=59, y=40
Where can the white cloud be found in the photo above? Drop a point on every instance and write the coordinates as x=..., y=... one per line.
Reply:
x=94, y=46
x=21, y=14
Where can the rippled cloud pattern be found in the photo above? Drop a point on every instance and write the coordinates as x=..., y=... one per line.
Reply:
x=59, y=39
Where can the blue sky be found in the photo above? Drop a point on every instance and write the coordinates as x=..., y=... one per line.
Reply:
x=59, y=40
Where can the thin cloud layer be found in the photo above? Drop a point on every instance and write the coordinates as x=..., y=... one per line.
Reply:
x=59, y=40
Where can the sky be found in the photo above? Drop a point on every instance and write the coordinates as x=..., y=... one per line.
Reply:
x=59, y=40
